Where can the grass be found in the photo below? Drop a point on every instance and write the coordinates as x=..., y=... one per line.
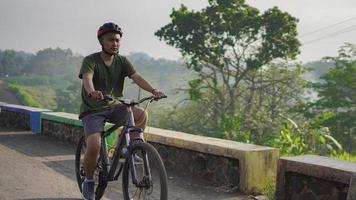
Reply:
x=346, y=156
x=269, y=189
x=35, y=96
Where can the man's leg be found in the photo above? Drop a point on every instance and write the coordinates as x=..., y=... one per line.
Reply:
x=93, y=125
x=140, y=117
x=92, y=154
x=90, y=159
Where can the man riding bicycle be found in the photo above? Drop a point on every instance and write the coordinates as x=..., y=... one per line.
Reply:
x=103, y=73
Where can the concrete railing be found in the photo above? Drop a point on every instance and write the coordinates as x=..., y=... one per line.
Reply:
x=221, y=162
x=315, y=178
x=24, y=117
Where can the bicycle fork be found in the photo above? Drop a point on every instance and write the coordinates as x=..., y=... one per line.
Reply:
x=131, y=159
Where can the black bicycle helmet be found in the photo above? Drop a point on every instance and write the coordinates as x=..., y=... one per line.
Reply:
x=109, y=28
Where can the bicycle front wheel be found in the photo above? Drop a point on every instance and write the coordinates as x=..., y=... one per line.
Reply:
x=149, y=171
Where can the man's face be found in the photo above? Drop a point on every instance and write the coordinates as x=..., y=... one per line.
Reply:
x=111, y=42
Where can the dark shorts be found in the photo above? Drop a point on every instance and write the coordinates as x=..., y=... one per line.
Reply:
x=94, y=123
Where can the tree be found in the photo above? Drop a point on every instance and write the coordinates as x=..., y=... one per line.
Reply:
x=69, y=99
x=223, y=43
x=337, y=94
x=13, y=63
x=56, y=62
x=269, y=93
x=267, y=96
x=338, y=89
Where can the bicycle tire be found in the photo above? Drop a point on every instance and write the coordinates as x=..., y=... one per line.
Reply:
x=78, y=164
x=157, y=169
x=79, y=169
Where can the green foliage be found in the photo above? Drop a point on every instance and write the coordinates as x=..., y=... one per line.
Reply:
x=39, y=96
x=55, y=62
x=290, y=141
x=273, y=90
x=29, y=80
x=13, y=63
x=269, y=190
x=345, y=156
x=195, y=89
x=239, y=91
x=232, y=130
x=270, y=91
x=338, y=88
x=69, y=99
x=213, y=34
x=337, y=94
x=42, y=74
x=25, y=96
x=312, y=138
x=188, y=118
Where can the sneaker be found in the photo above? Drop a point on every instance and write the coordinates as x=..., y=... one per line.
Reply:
x=88, y=190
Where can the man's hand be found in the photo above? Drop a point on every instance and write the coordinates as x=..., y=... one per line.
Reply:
x=157, y=92
x=96, y=94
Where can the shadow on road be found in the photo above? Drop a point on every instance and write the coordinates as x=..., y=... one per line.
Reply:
x=34, y=145
x=64, y=167
x=51, y=199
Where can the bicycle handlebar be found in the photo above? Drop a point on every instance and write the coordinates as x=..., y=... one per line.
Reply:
x=132, y=102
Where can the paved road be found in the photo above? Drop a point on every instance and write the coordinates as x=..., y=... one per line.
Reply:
x=41, y=167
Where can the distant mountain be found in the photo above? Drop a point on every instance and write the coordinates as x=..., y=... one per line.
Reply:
x=318, y=68
x=168, y=75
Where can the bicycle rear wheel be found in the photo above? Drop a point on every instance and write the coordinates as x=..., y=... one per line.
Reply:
x=150, y=172
x=80, y=173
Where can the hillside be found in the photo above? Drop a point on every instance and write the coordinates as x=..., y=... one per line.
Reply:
x=7, y=95
x=50, y=77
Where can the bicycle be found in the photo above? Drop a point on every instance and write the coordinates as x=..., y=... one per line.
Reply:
x=134, y=157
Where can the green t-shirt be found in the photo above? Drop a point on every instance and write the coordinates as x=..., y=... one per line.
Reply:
x=107, y=79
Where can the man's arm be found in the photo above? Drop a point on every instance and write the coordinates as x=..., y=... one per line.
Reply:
x=89, y=87
x=142, y=83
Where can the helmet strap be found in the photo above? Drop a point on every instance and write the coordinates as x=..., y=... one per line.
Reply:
x=111, y=54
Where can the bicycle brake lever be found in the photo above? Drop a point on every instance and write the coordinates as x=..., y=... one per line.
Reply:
x=159, y=97
x=108, y=98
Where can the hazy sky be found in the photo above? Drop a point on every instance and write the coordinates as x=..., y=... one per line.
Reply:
x=32, y=25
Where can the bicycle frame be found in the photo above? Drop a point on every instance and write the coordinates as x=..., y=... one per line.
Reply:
x=124, y=139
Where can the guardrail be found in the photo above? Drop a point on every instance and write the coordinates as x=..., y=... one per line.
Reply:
x=315, y=177
x=18, y=116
